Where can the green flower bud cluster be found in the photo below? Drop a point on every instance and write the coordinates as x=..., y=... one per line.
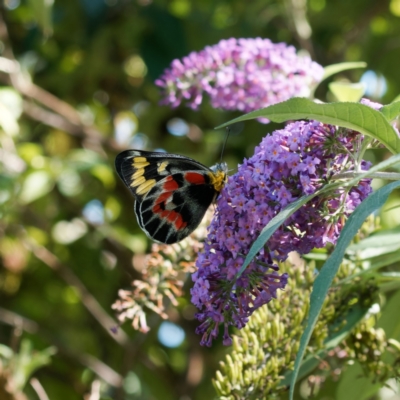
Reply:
x=264, y=352
x=369, y=346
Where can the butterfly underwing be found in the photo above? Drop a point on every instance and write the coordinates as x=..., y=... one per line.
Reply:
x=172, y=192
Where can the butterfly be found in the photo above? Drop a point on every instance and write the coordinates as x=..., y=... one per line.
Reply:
x=172, y=192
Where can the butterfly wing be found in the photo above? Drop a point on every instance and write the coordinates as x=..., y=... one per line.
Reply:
x=172, y=192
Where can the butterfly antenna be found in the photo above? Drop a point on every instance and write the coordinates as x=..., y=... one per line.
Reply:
x=226, y=139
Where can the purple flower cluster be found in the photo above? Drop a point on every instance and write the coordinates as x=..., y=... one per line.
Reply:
x=240, y=74
x=290, y=163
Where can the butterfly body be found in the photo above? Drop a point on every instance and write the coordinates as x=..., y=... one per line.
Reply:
x=172, y=192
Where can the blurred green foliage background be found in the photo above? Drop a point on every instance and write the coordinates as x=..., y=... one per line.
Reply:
x=76, y=87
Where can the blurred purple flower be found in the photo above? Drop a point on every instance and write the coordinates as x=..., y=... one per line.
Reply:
x=370, y=103
x=378, y=106
x=290, y=163
x=240, y=74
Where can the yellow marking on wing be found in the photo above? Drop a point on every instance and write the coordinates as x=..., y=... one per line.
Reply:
x=139, y=159
x=138, y=181
x=145, y=187
x=138, y=165
x=218, y=179
x=138, y=173
x=162, y=166
x=139, y=162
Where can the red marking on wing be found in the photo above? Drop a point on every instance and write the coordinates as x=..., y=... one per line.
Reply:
x=180, y=223
x=160, y=203
x=171, y=216
x=163, y=197
x=170, y=184
x=195, y=178
x=156, y=208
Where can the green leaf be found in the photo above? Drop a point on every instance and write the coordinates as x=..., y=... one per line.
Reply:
x=389, y=276
x=389, y=286
x=375, y=264
x=382, y=242
x=389, y=320
x=354, y=385
x=358, y=117
x=324, y=279
x=345, y=91
x=335, y=68
x=397, y=98
x=391, y=111
x=383, y=261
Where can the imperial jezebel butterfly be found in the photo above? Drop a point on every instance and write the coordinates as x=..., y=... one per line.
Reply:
x=172, y=192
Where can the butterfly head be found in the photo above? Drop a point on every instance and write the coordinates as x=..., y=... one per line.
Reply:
x=219, y=176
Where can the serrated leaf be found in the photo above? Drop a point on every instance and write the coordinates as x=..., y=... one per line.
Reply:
x=345, y=91
x=356, y=116
x=325, y=277
x=391, y=111
x=330, y=70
